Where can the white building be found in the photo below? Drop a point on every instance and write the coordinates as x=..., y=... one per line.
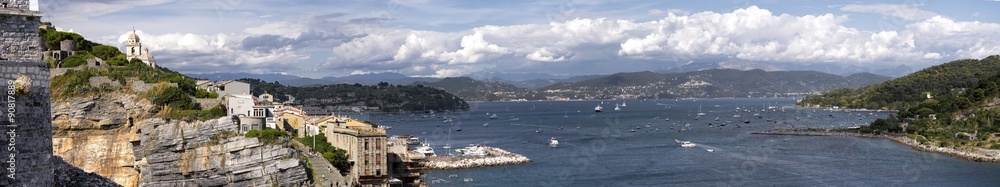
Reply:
x=239, y=104
x=134, y=50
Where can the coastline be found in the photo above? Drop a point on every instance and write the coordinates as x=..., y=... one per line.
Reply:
x=975, y=154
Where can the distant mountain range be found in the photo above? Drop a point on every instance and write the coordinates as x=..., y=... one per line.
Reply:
x=708, y=83
x=694, y=84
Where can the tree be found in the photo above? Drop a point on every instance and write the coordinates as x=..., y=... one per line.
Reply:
x=106, y=52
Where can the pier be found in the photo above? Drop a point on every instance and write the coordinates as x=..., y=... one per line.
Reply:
x=494, y=157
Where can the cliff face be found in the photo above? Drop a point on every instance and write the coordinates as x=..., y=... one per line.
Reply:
x=116, y=136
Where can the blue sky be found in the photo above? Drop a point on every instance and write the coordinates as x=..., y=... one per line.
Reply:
x=451, y=38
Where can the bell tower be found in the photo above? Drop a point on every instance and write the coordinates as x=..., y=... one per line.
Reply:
x=133, y=48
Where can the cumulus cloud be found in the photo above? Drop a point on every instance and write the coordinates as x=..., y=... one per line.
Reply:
x=904, y=11
x=194, y=53
x=751, y=33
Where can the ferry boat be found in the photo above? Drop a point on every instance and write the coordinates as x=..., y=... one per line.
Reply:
x=553, y=142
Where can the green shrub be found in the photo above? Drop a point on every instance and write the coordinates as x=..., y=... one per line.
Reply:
x=266, y=135
x=77, y=59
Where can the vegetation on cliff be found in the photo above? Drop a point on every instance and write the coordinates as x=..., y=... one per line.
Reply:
x=962, y=110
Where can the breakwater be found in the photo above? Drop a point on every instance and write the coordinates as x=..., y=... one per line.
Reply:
x=494, y=157
x=973, y=153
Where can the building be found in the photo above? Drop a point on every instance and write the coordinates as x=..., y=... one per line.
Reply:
x=134, y=50
x=404, y=166
x=291, y=122
x=266, y=112
x=366, y=149
x=229, y=87
x=267, y=97
x=239, y=104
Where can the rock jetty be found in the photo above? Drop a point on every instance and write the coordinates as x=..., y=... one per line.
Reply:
x=495, y=157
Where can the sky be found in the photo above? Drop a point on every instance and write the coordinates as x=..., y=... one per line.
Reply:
x=432, y=38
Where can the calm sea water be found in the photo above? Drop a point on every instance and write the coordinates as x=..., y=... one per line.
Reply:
x=603, y=152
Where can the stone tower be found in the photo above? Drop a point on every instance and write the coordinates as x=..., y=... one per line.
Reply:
x=26, y=141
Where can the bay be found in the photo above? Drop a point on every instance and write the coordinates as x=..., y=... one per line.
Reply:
x=604, y=152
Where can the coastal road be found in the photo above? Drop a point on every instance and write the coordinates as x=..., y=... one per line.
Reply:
x=323, y=172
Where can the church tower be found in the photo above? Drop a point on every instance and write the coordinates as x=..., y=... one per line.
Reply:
x=133, y=48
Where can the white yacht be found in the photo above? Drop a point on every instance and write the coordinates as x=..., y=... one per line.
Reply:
x=687, y=144
x=426, y=149
x=473, y=150
x=598, y=108
x=553, y=142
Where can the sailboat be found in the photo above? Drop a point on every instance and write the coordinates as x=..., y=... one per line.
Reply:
x=699, y=111
x=553, y=142
x=617, y=108
x=494, y=116
x=598, y=108
x=623, y=103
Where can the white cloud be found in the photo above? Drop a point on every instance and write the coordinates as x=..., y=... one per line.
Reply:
x=751, y=33
x=194, y=53
x=905, y=11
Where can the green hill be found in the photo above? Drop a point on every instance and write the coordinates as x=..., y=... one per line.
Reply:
x=707, y=84
x=941, y=81
x=962, y=112
x=389, y=98
x=475, y=90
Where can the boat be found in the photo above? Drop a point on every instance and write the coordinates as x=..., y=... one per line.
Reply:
x=553, y=142
x=687, y=144
x=539, y=130
x=623, y=103
x=473, y=150
x=487, y=124
x=494, y=116
x=458, y=130
x=617, y=108
x=425, y=149
x=598, y=108
x=710, y=150
x=467, y=180
x=699, y=111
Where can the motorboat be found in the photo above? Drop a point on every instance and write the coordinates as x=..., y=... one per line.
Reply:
x=553, y=142
x=473, y=150
x=710, y=150
x=426, y=149
x=687, y=144
x=487, y=124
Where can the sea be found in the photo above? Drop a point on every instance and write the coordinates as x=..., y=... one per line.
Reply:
x=638, y=146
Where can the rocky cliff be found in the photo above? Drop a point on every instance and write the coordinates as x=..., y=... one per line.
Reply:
x=118, y=136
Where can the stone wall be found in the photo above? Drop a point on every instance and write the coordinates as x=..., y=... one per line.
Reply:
x=19, y=41
x=25, y=120
x=18, y=4
x=31, y=126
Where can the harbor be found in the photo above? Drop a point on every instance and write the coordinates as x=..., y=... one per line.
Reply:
x=493, y=157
